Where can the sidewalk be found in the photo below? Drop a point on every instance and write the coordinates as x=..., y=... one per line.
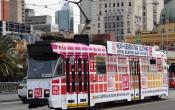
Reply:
x=8, y=97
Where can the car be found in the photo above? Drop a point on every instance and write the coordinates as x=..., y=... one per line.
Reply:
x=172, y=82
x=22, y=90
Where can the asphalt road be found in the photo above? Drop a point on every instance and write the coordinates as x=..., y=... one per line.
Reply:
x=163, y=104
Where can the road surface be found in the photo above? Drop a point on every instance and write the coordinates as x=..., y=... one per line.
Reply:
x=164, y=104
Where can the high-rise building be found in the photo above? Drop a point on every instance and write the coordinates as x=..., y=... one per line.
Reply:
x=29, y=12
x=4, y=10
x=17, y=11
x=64, y=18
x=151, y=14
x=123, y=17
x=89, y=8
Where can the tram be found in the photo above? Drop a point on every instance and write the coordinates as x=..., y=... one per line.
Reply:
x=72, y=75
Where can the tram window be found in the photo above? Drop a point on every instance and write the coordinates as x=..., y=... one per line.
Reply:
x=85, y=76
x=80, y=74
x=152, y=61
x=60, y=67
x=67, y=75
x=100, y=65
x=172, y=68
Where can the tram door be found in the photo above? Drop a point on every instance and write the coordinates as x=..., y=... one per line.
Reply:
x=135, y=79
x=77, y=80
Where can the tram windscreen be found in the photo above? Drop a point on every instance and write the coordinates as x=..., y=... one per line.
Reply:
x=41, y=66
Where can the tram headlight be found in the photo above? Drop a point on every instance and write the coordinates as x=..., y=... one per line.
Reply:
x=30, y=93
x=46, y=93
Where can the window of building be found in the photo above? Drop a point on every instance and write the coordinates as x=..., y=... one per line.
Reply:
x=122, y=32
x=117, y=24
x=144, y=14
x=105, y=5
x=113, y=18
x=105, y=25
x=106, y=19
x=113, y=24
x=98, y=31
x=113, y=4
x=129, y=31
x=117, y=18
x=128, y=23
x=109, y=25
x=98, y=25
x=118, y=4
x=122, y=4
x=98, y=18
x=122, y=24
x=100, y=13
x=109, y=4
x=129, y=3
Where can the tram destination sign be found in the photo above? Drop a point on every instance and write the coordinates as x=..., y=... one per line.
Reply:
x=128, y=49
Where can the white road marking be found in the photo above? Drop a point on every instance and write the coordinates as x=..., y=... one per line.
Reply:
x=15, y=102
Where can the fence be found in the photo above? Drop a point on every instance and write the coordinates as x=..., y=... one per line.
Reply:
x=8, y=87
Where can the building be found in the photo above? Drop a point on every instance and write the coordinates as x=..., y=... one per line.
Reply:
x=29, y=12
x=14, y=28
x=41, y=23
x=164, y=42
x=4, y=10
x=36, y=20
x=64, y=18
x=125, y=17
x=151, y=14
x=17, y=11
x=46, y=27
x=89, y=7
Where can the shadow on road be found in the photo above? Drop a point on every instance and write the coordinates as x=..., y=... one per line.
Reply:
x=126, y=103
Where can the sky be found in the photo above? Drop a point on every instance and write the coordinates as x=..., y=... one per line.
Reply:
x=52, y=6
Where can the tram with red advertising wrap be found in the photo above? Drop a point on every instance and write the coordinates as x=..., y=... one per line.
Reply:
x=73, y=75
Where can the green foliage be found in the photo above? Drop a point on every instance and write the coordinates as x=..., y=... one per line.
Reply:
x=9, y=59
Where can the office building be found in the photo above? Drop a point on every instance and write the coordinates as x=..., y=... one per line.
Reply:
x=46, y=28
x=12, y=28
x=29, y=12
x=90, y=9
x=41, y=23
x=17, y=11
x=36, y=20
x=124, y=17
x=64, y=18
x=4, y=10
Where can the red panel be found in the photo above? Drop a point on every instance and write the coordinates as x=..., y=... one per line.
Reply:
x=38, y=92
x=55, y=90
x=96, y=88
x=101, y=87
x=55, y=81
x=63, y=89
x=105, y=78
x=92, y=88
x=63, y=80
x=105, y=87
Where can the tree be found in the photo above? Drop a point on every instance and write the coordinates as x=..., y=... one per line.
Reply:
x=9, y=59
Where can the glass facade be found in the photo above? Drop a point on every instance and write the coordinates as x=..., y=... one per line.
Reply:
x=168, y=13
x=64, y=18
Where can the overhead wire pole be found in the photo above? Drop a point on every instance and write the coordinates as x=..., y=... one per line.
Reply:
x=138, y=39
x=87, y=21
